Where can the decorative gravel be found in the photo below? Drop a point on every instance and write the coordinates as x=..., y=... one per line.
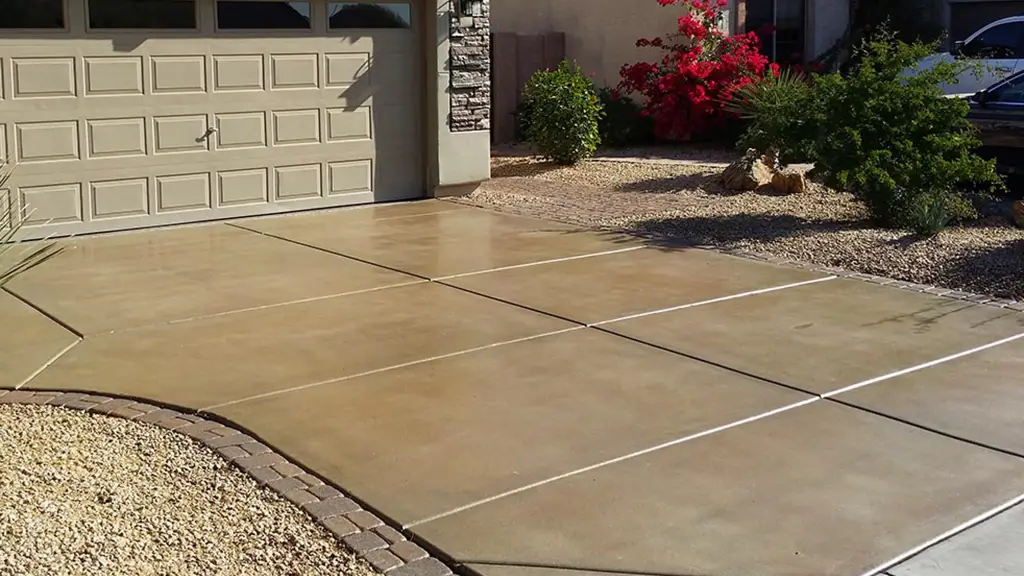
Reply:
x=681, y=203
x=88, y=494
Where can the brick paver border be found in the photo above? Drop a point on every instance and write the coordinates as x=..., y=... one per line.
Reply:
x=356, y=529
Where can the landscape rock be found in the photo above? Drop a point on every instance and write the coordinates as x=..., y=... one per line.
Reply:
x=750, y=172
x=1018, y=213
x=789, y=182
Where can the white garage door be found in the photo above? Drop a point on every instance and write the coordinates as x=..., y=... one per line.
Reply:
x=131, y=113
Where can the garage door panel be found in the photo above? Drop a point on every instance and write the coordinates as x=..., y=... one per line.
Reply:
x=119, y=198
x=46, y=141
x=150, y=129
x=238, y=72
x=113, y=75
x=116, y=137
x=177, y=74
x=180, y=133
x=344, y=124
x=43, y=77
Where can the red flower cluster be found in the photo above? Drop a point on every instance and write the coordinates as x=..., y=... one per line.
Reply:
x=702, y=68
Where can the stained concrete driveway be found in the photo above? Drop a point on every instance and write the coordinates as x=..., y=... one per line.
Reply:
x=533, y=399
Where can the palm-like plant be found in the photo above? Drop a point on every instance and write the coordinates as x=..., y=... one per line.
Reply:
x=17, y=256
x=780, y=113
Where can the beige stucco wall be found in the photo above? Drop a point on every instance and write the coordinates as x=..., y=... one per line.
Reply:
x=599, y=34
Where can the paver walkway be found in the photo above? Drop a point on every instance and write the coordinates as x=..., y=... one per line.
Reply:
x=533, y=399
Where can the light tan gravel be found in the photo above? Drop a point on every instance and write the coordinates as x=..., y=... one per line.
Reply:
x=682, y=204
x=89, y=494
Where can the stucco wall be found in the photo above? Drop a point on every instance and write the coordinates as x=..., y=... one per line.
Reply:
x=599, y=34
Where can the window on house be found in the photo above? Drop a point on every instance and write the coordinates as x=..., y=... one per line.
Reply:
x=142, y=14
x=998, y=42
x=256, y=15
x=367, y=15
x=31, y=14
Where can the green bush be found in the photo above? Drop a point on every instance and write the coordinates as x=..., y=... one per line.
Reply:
x=891, y=139
x=895, y=141
x=623, y=124
x=522, y=115
x=780, y=114
x=563, y=112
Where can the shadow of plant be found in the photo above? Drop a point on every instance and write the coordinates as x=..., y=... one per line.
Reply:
x=997, y=271
x=733, y=230
x=706, y=181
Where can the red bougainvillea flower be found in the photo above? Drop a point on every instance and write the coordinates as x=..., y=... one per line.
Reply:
x=701, y=69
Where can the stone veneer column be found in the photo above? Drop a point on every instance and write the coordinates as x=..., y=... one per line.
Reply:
x=471, y=71
x=458, y=66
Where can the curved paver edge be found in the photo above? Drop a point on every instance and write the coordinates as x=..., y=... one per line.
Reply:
x=355, y=528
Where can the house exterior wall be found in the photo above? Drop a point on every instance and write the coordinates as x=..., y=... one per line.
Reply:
x=600, y=35
x=458, y=135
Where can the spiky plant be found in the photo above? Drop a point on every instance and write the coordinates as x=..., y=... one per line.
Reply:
x=780, y=113
x=17, y=256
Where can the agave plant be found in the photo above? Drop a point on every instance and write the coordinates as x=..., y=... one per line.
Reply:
x=17, y=256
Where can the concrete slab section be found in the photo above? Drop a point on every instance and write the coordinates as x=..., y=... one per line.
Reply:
x=223, y=358
x=28, y=340
x=128, y=280
x=978, y=397
x=422, y=440
x=616, y=285
x=817, y=490
x=992, y=548
x=442, y=243
x=825, y=336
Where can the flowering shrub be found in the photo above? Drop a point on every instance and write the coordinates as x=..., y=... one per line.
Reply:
x=685, y=92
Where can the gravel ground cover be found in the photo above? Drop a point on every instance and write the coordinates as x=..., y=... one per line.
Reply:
x=87, y=494
x=684, y=204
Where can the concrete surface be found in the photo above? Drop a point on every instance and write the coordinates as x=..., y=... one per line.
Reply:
x=994, y=548
x=535, y=400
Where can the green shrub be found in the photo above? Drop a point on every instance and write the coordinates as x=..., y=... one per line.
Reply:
x=563, y=112
x=623, y=124
x=522, y=115
x=780, y=114
x=891, y=139
x=895, y=141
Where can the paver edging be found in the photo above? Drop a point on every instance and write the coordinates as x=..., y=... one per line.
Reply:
x=366, y=535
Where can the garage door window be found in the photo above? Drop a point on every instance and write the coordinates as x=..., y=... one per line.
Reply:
x=31, y=14
x=366, y=15
x=142, y=14
x=257, y=15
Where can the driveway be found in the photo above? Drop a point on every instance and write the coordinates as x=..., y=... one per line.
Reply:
x=532, y=399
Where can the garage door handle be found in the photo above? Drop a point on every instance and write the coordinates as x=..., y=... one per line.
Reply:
x=206, y=135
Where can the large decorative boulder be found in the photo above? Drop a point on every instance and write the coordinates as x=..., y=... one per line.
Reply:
x=1018, y=213
x=789, y=182
x=750, y=172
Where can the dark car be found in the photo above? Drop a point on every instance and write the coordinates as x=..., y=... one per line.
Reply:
x=998, y=113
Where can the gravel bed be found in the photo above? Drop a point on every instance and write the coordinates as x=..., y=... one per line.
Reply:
x=88, y=494
x=674, y=154
x=681, y=204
